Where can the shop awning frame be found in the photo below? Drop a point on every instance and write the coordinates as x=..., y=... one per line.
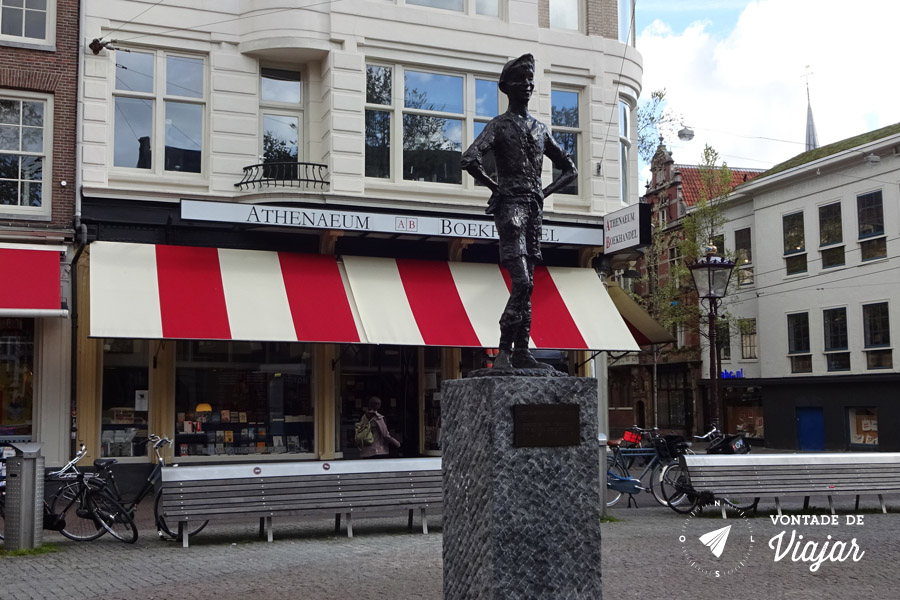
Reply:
x=178, y=292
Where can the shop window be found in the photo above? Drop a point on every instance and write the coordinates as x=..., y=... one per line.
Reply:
x=863, y=426
x=835, y=322
x=281, y=121
x=877, y=336
x=870, y=214
x=123, y=422
x=27, y=21
x=743, y=411
x=159, y=103
x=831, y=235
x=487, y=8
x=25, y=152
x=748, y=338
x=674, y=399
x=794, y=244
x=240, y=398
x=798, y=343
x=565, y=122
x=432, y=390
x=565, y=14
x=16, y=379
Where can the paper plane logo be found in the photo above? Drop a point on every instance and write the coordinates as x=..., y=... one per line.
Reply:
x=715, y=540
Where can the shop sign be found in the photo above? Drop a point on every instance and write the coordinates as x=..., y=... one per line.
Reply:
x=316, y=218
x=739, y=374
x=627, y=228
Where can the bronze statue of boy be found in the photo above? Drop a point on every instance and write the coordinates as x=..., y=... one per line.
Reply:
x=519, y=143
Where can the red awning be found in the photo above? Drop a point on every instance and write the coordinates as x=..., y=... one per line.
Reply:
x=146, y=291
x=30, y=281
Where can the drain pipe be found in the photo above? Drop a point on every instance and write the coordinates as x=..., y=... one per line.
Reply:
x=79, y=227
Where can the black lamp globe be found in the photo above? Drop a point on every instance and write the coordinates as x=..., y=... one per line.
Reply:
x=711, y=275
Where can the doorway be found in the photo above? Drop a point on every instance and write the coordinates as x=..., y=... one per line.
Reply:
x=810, y=428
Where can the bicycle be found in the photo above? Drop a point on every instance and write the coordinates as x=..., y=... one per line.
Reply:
x=663, y=452
x=675, y=483
x=106, y=479
x=88, y=514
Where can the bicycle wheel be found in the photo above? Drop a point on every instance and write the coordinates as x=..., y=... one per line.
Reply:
x=655, y=484
x=113, y=517
x=163, y=529
x=676, y=489
x=613, y=496
x=80, y=524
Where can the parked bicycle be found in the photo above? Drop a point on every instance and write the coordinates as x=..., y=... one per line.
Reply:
x=675, y=483
x=106, y=480
x=87, y=514
x=662, y=451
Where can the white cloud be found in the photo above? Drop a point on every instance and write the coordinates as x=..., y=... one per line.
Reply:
x=751, y=82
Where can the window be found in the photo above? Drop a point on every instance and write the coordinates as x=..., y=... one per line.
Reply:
x=877, y=336
x=743, y=250
x=25, y=144
x=16, y=383
x=123, y=425
x=565, y=122
x=626, y=23
x=863, y=426
x=798, y=343
x=243, y=398
x=160, y=105
x=831, y=235
x=748, y=338
x=674, y=261
x=836, y=357
x=27, y=20
x=281, y=122
x=625, y=152
x=431, y=119
x=870, y=214
x=564, y=14
x=794, y=244
x=488, y=8
x=674, y=398
x=723, y=340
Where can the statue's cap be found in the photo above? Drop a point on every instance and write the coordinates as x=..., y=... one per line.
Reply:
x=514, y=67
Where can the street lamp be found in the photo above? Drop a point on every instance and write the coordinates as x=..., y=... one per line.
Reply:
x=711, y=275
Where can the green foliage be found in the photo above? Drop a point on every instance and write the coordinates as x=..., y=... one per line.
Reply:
x=655, y=122
x=42, y=549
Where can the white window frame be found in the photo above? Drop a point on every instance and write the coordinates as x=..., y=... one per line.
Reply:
x=580, y=17
x=397, y=109
x=559, y=196
x=287, y=109
x=42, y=212
x=625, y=148
x=159, y=96
x=470, y=8
x=750, y=341
x=48, y=42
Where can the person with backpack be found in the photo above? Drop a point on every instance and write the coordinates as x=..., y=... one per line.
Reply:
x=372, y=435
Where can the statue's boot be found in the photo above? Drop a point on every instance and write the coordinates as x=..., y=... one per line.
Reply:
x=522, y=358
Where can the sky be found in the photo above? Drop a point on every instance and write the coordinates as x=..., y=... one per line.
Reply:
x=735, y=71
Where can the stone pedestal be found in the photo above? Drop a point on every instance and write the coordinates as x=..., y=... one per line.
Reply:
x=520, y=523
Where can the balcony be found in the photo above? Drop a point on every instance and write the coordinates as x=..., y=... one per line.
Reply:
x=301, y=175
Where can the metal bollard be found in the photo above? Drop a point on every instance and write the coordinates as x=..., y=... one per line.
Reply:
x=24, y=497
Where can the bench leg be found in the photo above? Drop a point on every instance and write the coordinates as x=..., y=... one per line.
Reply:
x=183, y=534
x=424, y=521
x=349, y=525
x=856, y=508
x=806, y=503
x=262, y=528
x=269, y=529
x=778, y=505
x=831, y=504
x=409, y=521
x=881, y=500
x=337, y=523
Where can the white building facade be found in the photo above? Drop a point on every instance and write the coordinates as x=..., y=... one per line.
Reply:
x=329, y=121
x=818, y=286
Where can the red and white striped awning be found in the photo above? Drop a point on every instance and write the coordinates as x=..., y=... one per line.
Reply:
x=29, y=281
x=146, y=291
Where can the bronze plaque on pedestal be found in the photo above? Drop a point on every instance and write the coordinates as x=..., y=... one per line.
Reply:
x=543, y=425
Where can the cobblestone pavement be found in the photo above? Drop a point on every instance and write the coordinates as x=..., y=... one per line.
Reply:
x=642, y=558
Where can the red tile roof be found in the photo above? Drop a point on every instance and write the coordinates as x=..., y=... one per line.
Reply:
x=690, y=180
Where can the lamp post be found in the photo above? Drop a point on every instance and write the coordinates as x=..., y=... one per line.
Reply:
x=711, y=275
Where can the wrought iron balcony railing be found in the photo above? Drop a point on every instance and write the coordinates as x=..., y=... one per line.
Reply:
x=310, y=176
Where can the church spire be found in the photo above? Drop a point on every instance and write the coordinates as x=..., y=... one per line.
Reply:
x=812, y=140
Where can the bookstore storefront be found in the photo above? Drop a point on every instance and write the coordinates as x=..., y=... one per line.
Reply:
x=261, y=355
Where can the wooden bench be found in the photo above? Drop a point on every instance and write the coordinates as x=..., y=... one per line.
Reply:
x=266, y=490
x=784, y=475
